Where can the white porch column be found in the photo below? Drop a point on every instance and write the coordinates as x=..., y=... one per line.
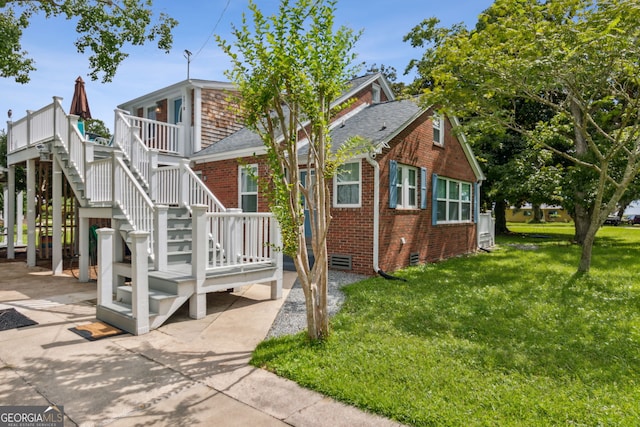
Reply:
x=160, y=238
x=140, y=280
x=105, y=265
x=20, y=217
x=197, y=119
x=56, y=244
x=31, y=213
x=199, y=259
x=11, y=212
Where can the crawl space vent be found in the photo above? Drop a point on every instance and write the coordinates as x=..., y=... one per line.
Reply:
x=414, y=258
x=340, y=262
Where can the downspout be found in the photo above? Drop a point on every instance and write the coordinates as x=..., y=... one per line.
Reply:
x=376, y=209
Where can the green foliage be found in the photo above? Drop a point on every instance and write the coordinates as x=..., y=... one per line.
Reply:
x=511, y=337
x=578, y=59
x=104, y=28
x=289, y=68
x=97, y=127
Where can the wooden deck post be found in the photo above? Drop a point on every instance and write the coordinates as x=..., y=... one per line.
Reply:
x=31, y=213
x=10, y=201
x=199, y=259
x=56, y=237
x=105, y=265
x=140, y=280
x=160, y=238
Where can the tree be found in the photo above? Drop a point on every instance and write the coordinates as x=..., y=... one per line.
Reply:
x=104, y=28
x=97, y=127
x=288, y=69
x=579, y=58
x=390, y=74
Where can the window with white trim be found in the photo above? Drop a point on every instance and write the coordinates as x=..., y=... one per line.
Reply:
x=438, y=129
x=407, y=187
x=347, y=186
x=453, y=200
x=404, y=184
x=248, y=188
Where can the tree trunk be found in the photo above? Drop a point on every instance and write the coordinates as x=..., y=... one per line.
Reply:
x=537, y=213
x=587, y=248
x=582, y=220
x=501, y=218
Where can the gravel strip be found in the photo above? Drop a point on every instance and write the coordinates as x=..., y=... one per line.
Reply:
x=292, y=317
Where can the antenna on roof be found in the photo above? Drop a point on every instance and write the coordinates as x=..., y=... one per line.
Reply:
x=187, y=55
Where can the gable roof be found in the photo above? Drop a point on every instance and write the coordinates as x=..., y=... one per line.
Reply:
x=377, y=123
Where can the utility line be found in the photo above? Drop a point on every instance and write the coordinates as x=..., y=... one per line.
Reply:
x=214, y=28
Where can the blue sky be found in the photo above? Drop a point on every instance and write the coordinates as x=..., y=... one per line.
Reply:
x=50, y=43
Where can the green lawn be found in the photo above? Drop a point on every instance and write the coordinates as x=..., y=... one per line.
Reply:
x=511, y=337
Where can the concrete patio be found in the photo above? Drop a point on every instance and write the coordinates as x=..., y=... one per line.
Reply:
x=188, y=372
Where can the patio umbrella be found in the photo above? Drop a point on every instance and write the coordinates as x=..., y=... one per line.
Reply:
x=79, y=103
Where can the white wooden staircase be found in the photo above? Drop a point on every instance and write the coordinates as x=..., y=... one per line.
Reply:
x=183, y=243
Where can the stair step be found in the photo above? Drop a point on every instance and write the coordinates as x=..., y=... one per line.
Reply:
x=153, y=293
x=119, y=315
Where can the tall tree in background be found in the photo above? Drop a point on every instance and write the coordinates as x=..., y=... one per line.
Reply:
x=288, y=69
x=104, y=27
x=579, y=58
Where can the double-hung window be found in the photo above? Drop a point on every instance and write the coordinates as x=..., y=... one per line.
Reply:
x=438, y=129
x=347, y=186
x=407, y=185
x=453, y=200
x=248, y=186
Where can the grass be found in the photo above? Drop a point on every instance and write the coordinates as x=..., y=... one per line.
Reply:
x=511, y=337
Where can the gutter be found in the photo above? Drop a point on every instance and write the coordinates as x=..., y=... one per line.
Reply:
x=376, y=209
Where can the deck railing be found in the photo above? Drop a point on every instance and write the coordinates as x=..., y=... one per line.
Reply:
x=35, y=127
x=157, y=135
x=132, y=200
x=234, y=239
x=99, y=180
x=179, y=185
x=143, y=159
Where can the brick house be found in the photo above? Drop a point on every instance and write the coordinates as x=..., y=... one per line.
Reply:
x=413, y=200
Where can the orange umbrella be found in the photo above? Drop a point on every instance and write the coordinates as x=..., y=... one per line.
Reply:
x=79, y=103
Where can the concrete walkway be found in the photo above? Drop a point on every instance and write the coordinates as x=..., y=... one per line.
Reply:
x=188, y=372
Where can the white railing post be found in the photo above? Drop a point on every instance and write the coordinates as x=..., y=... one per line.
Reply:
x=105, y=265
x=235, y=236
x=140, y=280
x=116, y=184
x=185, y=193
x=153, y=175
x=199, y=260
x=131, y=153
x=160, y=238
